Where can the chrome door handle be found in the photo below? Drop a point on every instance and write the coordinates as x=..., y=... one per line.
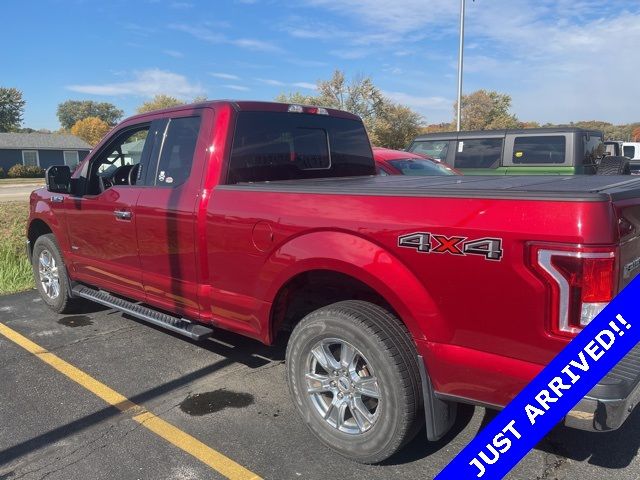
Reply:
x=122, y=215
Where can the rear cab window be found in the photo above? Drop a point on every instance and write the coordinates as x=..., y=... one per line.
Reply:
x=479, y=153
x=271, y=146
x=629, y=151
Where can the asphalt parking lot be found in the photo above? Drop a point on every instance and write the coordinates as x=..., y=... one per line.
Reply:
x=228, y=393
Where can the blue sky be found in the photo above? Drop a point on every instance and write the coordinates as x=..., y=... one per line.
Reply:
x=561, y=60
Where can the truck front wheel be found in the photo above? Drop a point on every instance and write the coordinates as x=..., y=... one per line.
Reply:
x=50, y=274
x=354, y=378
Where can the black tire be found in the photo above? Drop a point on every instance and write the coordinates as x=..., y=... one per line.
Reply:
x=614, y=166
x=387, y=351
x=63, y=302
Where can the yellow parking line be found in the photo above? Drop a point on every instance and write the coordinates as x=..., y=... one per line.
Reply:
x=194, y=447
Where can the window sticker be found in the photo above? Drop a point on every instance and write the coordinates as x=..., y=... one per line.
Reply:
x=460, y=147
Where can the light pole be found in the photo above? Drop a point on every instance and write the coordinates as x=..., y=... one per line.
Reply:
x=460, y=63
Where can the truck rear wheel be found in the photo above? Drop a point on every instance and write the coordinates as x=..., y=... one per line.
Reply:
x=354, y=378
x=50, y=274
x=614, y=166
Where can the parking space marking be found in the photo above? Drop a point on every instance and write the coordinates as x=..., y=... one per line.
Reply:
x=194, y=447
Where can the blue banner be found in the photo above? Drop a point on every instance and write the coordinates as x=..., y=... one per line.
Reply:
x=553, y=393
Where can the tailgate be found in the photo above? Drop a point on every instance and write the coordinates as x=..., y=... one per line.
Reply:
x=628, y=213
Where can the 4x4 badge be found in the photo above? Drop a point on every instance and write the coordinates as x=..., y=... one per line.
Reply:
x=489, y=248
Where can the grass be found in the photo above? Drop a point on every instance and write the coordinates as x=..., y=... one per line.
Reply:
x=15, y=270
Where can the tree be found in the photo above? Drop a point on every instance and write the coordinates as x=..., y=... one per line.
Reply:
x=91, y=130
x=486, y=110
x=11, y=109
x=396, y=126
x=389, y=124
x=159, y=102
x=71, y=111
x=635, y=134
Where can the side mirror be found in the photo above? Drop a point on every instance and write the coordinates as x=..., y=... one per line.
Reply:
x=58, y=179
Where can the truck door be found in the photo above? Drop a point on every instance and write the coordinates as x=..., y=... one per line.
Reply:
x=166, y=215
x=100, y=220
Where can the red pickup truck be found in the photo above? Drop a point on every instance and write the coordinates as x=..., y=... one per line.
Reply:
x=403, y=296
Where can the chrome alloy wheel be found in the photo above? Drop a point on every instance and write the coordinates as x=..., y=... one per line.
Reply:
x=48, y=271
x=342, y=386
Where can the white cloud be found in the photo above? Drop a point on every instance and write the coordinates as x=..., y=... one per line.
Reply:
x=305, y=85
x=238, y=88
x=173, y=53
x=560, y=60
x=278, y=83
x=145, y=83
x=203, y=32
x=420, y=103
x=225, y=76
x=272, y=82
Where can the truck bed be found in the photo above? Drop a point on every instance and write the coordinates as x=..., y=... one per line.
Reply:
x=562, y=188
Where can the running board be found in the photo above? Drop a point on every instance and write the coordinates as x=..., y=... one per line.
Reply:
x=168, y=322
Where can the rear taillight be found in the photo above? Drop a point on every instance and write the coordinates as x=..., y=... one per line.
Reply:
x=581, y=282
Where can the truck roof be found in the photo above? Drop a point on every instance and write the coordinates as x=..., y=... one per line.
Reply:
x=246, y=106
x=502, y=133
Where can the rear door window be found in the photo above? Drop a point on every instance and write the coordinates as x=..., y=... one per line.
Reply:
x=270, y=146
x=531, y=150
x=629, y=151
x=479, y=153
x=177, y=150
x=433, y=148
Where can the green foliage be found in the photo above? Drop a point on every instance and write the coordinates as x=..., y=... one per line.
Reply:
x=24, y=171
x=15, y=270
x=1, y=172
x=71, y=111
x=388, y=124
x=486, y=110
x=11, y=109
x=396, y=126
x=158, y=103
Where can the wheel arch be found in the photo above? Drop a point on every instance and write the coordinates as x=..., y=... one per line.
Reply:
x=370, y=268
x=37, y=228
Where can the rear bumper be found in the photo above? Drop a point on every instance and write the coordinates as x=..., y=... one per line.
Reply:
x=610, y=402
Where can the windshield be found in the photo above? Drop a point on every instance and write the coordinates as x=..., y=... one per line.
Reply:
x=417, y=167
x=593, y=149
x=434, y=148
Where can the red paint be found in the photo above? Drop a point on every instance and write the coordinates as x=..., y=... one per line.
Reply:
x=482, y=326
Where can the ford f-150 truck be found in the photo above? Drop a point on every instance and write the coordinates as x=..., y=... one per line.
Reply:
x=400, y=297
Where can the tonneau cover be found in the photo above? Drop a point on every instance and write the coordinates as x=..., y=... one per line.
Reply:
x=529, y=187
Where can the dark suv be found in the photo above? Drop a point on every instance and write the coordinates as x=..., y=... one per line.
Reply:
x=538, y=151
